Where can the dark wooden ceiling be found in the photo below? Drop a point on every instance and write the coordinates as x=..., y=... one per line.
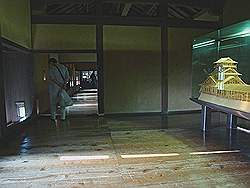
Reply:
x=173, y=9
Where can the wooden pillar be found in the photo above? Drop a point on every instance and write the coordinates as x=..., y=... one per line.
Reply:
x=74, y=75
x=164, y=57
x=2, y=95
x=99, y=55
x=80, y=77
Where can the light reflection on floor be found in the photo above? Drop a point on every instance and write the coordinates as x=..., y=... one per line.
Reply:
x=130, y=151
x=85, y=102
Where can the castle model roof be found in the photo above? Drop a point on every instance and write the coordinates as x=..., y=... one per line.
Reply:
x=225, y=60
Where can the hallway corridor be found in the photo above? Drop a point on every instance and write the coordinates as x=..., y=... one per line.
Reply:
x=85, y=103
x=140, y=151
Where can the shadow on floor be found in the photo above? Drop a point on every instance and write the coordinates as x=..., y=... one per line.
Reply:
x=34, y=157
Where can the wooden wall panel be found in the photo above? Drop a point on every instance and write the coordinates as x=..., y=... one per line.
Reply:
x=18, y=83
x=2, y=102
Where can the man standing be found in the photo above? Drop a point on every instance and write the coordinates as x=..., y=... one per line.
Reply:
x=58, y=78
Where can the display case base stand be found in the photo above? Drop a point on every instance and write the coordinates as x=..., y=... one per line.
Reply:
x=206, y=119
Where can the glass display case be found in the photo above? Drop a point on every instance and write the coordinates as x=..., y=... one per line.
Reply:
x=232, y=41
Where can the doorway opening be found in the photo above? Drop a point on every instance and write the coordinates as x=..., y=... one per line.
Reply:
x=85, y=99
x=82, y=86
x=83, y=81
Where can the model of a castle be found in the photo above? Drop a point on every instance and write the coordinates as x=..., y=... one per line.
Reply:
x=225, y=87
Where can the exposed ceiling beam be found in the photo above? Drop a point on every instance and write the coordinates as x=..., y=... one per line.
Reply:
x=138, y=10
x=199, y=3
x=111, y=20
x=193, y=3
x=63, y=1
x=188, y=7
x=175, y=13
x=132, y=1
x=86, y=67
x=70, y=8
x=170, y=15
x=199, y=13
x=81, y=66
x=155, y=13
x=126, y=9
x=151, y=11
x=55, y=10
x=181, y=12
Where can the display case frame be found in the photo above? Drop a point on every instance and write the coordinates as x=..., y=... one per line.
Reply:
x=232, y=41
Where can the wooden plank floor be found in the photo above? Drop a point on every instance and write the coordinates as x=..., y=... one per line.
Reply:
x=34, y=157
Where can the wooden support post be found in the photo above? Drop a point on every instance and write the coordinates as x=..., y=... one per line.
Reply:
x=164, y=68
x=99, y=55
x=80, y=77
x=164, y=58
x=2, y=95
x=74, y=75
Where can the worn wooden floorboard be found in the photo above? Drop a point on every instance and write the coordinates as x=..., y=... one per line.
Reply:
x=32, y=159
